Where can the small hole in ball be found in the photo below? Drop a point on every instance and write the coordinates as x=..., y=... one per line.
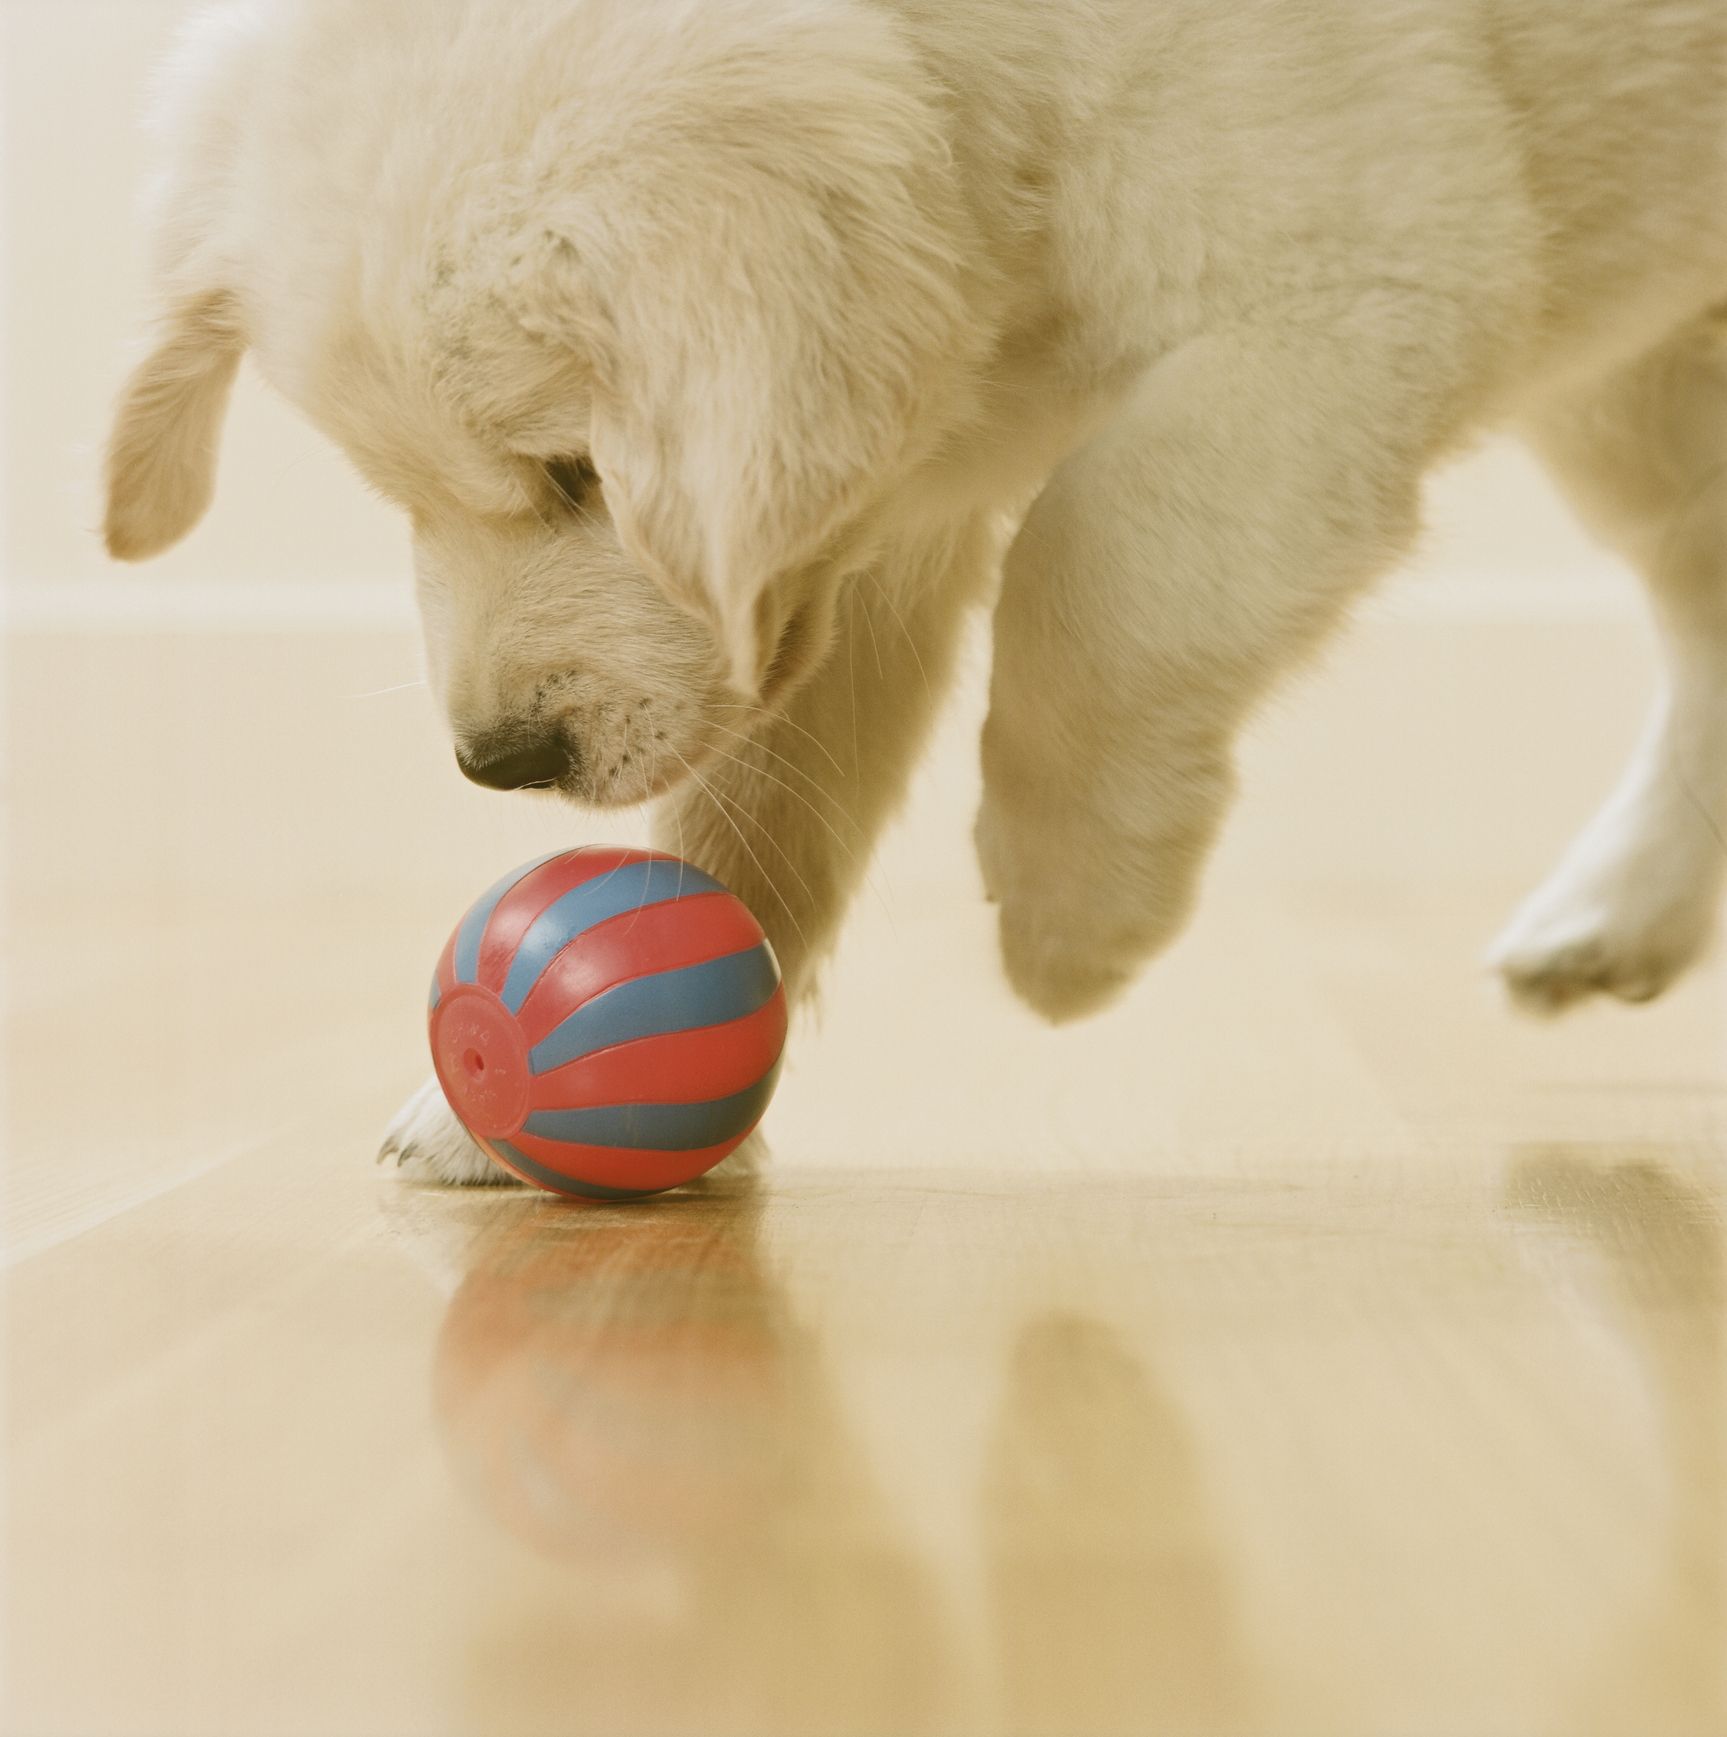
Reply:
x=475, y=1063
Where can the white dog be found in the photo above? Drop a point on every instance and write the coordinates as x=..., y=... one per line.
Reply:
x=708, y=341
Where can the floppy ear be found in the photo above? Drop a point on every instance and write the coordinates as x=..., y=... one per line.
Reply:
x=161, y=468
x=769, y=308
x=162, y=452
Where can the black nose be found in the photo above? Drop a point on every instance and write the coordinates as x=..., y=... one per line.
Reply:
x=518, y=764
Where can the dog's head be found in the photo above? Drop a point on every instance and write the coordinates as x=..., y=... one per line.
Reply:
x=639, y=311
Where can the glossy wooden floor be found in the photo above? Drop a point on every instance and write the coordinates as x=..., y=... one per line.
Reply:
x=1306, y=1347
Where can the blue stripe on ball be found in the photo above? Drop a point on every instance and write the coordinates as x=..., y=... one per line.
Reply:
x=467, y=954
x=683, y=999
x=630, y=887
x=658, y=1127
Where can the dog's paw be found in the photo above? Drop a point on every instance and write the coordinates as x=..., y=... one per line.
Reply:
x=426, y=1134
x=1081, y=907
x=1054, y=966
x=1576, y=939
x=1060, y=971
x=746, y=1161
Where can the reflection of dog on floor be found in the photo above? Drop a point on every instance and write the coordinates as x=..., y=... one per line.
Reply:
x=714, y=348
x=1648, y=1245
x=1111, y=1589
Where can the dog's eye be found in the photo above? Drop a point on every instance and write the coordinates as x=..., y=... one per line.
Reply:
x=573, y=478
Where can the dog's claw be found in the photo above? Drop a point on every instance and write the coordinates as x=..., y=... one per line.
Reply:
x=428, y=1135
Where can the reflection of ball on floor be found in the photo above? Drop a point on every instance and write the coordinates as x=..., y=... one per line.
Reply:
x=608, y=1023
x=628, y=1398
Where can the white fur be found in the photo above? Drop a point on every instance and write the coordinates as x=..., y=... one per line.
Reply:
x=841, y=296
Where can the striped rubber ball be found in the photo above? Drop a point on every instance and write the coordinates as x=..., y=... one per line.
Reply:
x=608, y=1023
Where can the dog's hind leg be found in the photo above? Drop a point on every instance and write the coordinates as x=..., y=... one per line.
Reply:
x=1632, y=903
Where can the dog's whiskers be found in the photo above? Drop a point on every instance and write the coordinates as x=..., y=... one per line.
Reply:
x=790, y=723
x=875, y=644
x=399, y=688
x=911, y=644
x=760, y=746
x=790, y=790
x=852, y=671
x=869, y=879
x=720, y=808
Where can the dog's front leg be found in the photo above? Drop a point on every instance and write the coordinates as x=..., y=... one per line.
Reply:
x=790, y=811
x=1168, y=574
